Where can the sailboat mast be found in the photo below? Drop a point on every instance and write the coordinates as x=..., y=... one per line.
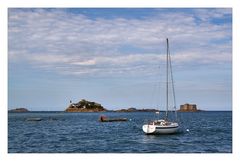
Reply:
x=172, y=81
x=167, y=80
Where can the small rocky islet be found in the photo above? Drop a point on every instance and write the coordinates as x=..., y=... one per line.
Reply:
x=85, y=106
x=136, y=110
x=19, y=110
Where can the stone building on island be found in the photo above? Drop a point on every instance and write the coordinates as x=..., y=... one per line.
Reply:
x=188, y=107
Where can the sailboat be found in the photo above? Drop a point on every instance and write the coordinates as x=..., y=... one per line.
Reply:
x=165, y=126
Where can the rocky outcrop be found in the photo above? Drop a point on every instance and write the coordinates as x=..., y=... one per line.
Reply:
x=85, y=106
x=19, y=110
x=188, y=108
x=88, y=106
x=137, y=110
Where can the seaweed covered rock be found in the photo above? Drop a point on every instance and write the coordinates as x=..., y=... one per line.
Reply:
x=85, y=106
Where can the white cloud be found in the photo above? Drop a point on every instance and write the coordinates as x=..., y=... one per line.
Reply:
x=75, y=44
x=206, y=14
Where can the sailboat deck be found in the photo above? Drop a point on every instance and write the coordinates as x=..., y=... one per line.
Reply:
x=163, y=123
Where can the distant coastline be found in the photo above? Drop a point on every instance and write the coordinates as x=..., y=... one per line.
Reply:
x=19, y=110
x=89, y=106
x=136, y=110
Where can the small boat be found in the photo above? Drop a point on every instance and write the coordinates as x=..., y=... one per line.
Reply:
x=165, y=126
x=105, y=119
x=34, y=119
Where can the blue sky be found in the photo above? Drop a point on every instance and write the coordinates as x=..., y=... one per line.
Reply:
x=116, y=57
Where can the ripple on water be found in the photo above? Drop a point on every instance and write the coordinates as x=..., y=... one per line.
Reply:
x=209, y=132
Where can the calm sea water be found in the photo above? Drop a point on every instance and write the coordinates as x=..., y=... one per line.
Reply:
x=59, y=132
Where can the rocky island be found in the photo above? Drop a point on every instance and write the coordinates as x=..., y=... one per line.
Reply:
x=137, y=110
x=85, y=106
x=19, y=110
x=188, y=108
x=88, y=106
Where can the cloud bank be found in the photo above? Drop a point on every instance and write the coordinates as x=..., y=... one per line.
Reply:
x=70, y=43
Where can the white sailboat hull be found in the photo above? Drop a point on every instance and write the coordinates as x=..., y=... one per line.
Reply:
x=160, y=129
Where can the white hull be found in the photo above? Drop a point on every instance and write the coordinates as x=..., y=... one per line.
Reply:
x=160, y=129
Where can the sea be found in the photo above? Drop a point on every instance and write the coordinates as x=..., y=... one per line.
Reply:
x=61, y=132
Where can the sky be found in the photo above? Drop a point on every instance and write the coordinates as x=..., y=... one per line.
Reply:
x=116, y=57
